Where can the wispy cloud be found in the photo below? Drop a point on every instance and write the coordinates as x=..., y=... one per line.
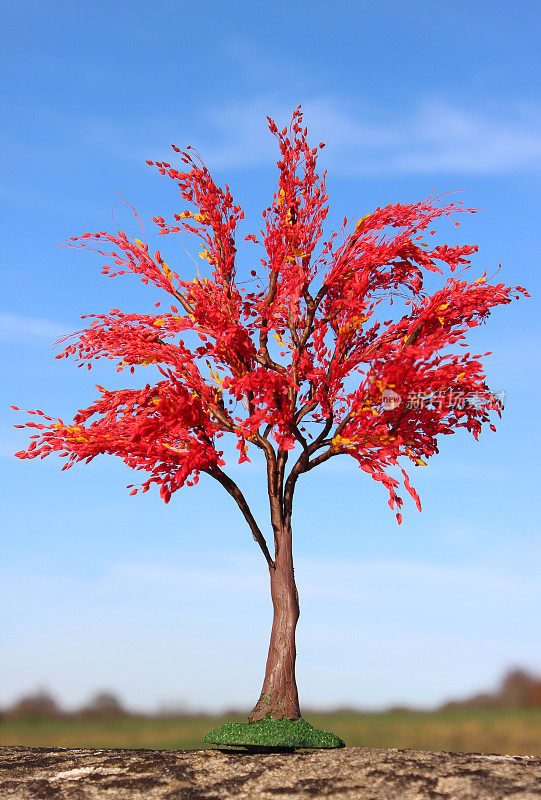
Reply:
x=330, y=578
x=20, y=328
x=244, y=139
x=48, y=200
x=328, y=582
x=463, y=469
x=436, y=136
x=376, y=581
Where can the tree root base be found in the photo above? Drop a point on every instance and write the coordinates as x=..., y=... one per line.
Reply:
x=271, y=735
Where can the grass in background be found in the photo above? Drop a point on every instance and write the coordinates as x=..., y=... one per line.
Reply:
x=467, y=730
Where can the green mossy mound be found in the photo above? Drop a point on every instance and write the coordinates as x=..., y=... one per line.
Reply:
x=272, y=734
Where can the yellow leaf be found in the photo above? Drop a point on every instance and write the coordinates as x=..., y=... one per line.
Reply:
x=156, y=400
x=359, y=225
x=139, y=243
x=462, y=374
x=159, y=322
x=420, y=462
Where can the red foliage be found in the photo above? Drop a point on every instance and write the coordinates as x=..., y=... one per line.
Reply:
x=170, y=429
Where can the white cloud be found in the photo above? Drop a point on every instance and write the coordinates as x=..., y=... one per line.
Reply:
x=20, y=328
x=241, y=573
x=436, y=136
x=330, y=578
x=248, y=141
x=464, y=469
x=443, y=138
x=51, y=202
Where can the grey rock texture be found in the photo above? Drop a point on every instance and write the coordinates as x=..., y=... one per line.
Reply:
x=355, y=773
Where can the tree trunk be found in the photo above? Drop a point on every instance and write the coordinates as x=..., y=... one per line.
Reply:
x=279, y=698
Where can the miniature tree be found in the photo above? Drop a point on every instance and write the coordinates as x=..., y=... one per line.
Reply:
x=171, y=429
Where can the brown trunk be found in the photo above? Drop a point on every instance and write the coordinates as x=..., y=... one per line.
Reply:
x=279, y=698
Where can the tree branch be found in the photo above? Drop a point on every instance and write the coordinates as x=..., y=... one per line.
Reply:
x=303, y=465
x=292, y=329
x=265, y=359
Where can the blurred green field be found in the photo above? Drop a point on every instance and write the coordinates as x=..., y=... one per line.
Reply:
x=501, y=731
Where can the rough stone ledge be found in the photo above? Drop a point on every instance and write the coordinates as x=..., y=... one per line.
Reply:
x=352, y=773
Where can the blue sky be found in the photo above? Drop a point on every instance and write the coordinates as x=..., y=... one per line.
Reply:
x=170, y=603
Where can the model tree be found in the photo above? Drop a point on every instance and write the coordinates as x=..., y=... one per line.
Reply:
x=171, y=428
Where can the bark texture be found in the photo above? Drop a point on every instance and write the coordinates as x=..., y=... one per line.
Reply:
x=279, y=697
x=353, y=773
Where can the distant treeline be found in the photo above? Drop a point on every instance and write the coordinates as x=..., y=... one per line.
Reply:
x=518, y=689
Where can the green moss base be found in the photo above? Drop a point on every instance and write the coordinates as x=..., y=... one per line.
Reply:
x=272, y=734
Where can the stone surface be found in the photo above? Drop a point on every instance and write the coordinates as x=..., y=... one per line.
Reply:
x=44, y=773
